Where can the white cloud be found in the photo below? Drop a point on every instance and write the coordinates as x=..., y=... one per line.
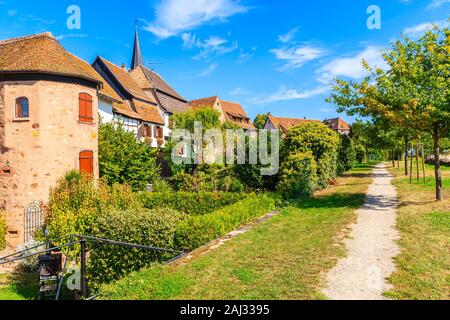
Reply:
x=71, y=35
x=176, y=16
x=246, y=55
x=210, y=48
x=208, y=70
x=12, y=12
x=295, y=57
x=284, y=94
x=285, y=38
x=420, y=29
x=351, y=66
x=437, y=4
x=239, y=91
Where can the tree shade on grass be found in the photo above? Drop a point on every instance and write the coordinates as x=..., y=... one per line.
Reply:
x=424, y=263
x=284, y=258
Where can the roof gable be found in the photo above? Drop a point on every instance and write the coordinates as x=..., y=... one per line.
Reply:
x=42, y=53
x=126, y=81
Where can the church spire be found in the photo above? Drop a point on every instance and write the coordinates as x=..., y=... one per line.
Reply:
x=137, y=53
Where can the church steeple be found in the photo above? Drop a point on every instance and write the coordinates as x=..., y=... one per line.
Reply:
x=137, y=53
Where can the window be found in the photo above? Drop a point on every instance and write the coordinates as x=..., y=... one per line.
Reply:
x=159, y=132
x=22, y=107
x=146, y=131
x=87, y=162
x=85, y=115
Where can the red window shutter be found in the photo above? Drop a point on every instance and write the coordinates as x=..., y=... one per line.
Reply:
x=87, y=162
x=85, y=114
x=161, y=132
x=149, y=131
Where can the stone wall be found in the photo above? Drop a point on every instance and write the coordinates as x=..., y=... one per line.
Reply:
x=37, y=151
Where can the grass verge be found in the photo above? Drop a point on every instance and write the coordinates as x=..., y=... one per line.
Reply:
x=286, y=257
x=423, y=267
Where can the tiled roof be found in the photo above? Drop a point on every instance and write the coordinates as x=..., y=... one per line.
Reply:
x=236, y=114
x=126, y=110
x=127, y=81
x=148, y=112
x=337, y=124
x=170, y=104
x=160, y=84
x=203, y=103
x=42, y=53
x=285, y=124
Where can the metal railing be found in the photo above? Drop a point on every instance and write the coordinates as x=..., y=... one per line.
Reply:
x=82, y=240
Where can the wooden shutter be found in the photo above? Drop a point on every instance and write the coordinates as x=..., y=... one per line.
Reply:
x=161, y=132
x=87, y=162
x=86, y=114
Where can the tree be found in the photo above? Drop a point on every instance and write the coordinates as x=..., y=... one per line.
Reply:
x=412, y=95
x=125, y=160
x=260, y=120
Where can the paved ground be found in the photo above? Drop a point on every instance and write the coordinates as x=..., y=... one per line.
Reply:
x=371, y=246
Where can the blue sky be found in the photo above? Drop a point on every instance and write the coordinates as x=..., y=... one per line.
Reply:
x=270, y=56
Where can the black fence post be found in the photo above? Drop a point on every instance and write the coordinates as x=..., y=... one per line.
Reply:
x=84, y=291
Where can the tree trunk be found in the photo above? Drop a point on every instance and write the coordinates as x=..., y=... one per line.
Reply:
x=437, y=164
x=423, y=165
x=393, y=158
x=411, y=164
x=406, y=157
x=417, y=162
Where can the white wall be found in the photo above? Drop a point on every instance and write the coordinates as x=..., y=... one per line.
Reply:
x=105, y=110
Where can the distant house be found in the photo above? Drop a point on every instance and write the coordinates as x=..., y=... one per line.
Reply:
x=338, y=125
x=285, y=124
x=229, y=111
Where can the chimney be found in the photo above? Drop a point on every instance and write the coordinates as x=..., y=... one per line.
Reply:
x=124, y=67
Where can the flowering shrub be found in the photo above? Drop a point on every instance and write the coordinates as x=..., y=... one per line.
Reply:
x=2, y=231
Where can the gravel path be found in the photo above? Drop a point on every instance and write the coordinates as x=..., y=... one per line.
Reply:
x=371, y=246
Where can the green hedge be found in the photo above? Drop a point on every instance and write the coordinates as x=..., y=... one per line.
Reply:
x=199, y=230
x=298, y=176
x=154, y=228
x=198, y=203
x=2, y=232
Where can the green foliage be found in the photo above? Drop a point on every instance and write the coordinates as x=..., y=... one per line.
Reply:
x=322, y=142
x=260, y=120
x=360, y=153
x=199, y=230
x=76, y=202
x=298, y=176
x=124, y=160
x=2, y=231
x=346, y=155
x=191, y=203
x=162, y=186
x=209, y=118
x=155, y=228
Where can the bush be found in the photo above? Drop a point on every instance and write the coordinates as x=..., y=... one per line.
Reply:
x=298, y=177
x=155, y=228
x=360, y=153
x=199, y=230
x=189, y=202
x=346, y=155
x=3, y=231
x=124, y=160
x=76, y=202
x=162, y=186
x=322, y=143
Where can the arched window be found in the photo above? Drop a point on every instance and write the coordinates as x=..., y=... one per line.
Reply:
x=22, y=107
x=86, y=114
x=87, y=162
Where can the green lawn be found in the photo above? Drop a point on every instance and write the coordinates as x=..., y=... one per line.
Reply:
x=286, y=257
x=18, y=287
x=423, y=267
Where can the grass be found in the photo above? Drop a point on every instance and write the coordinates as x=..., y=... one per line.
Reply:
x=18, y=287
x=423, y=267
x=286, y=257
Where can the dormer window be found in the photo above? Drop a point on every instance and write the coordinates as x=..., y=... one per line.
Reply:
x=22, y=107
